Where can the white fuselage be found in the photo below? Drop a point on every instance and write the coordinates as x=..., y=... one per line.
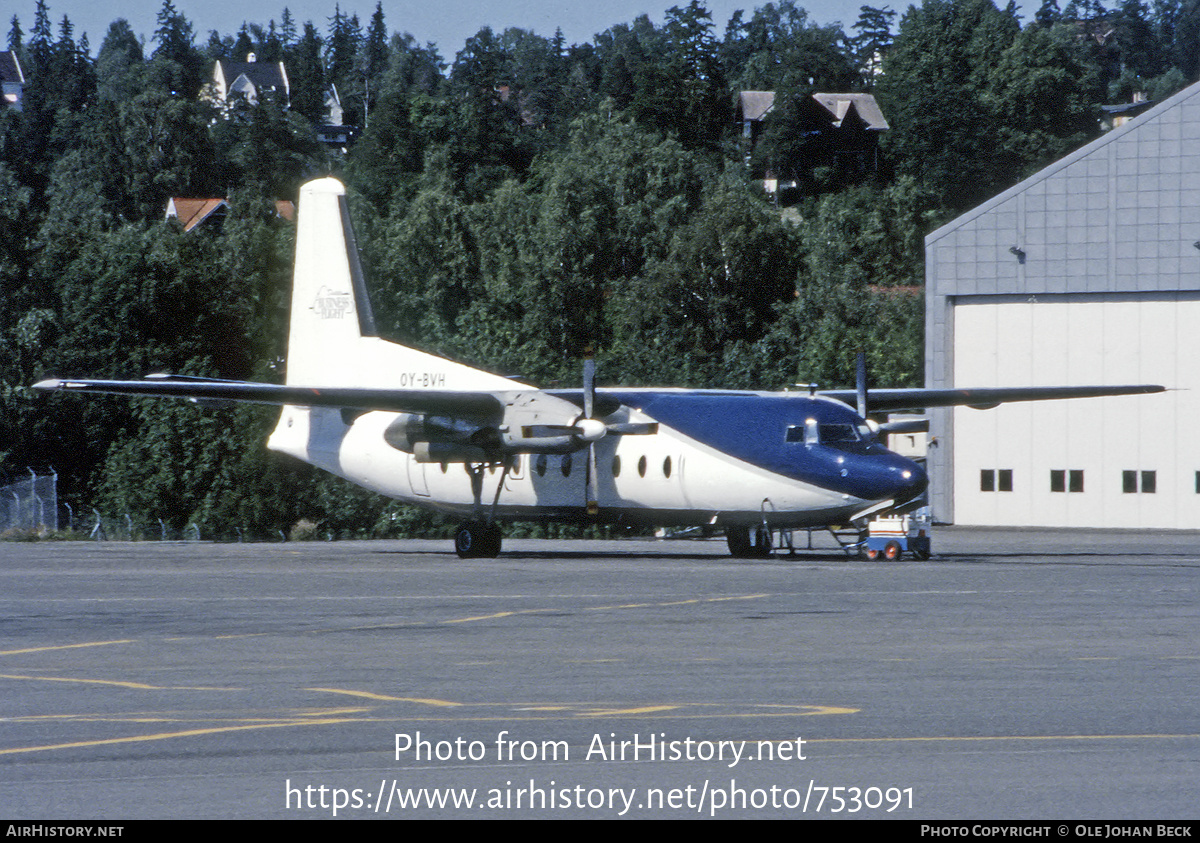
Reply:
x=665, y=478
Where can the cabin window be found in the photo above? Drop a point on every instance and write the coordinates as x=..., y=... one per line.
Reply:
x=667, y=467
x=642, y=467
x=540, y=465
x=1075, y=481
x=1149, y=482
x=616, y=468
x=987, y=480
x=795, y=433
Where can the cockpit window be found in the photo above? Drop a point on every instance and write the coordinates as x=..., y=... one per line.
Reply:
x=834, y=434
x=829, y=433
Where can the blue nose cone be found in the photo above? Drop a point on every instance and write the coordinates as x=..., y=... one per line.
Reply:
x=910, y=480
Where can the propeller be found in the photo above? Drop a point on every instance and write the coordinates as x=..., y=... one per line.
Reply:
x=860, y=388
x=591, y=430
x=588, y=429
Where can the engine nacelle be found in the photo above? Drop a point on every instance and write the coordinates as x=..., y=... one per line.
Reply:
x=409, y=430
x=450, y=452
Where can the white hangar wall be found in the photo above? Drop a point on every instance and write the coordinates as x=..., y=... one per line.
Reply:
x=1086, y=273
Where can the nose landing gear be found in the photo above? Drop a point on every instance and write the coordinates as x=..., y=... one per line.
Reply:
x=748, y=542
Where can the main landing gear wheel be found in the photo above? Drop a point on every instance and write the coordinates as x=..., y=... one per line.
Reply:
x=476, y=540
x=748, y=542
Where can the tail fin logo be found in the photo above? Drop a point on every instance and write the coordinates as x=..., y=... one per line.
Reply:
x=332, y=305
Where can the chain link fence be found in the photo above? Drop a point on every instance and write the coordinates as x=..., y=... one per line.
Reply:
x=30, y=504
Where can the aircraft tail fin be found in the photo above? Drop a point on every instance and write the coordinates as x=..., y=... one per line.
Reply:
x=331, y=312
x=332, y=339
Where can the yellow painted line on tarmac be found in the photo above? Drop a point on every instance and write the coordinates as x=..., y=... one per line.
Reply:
x=162, y=736
x=66, y=647
x=494, y=616
x=370, y=696
x=649, y=709
x=138, y=686
x=152, y=717
x=690, y=602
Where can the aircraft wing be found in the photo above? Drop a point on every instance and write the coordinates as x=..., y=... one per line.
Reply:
x=491, y=404
x=207, y=390
x=889, y=400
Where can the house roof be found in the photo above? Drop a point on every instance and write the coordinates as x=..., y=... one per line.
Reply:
x=249, y=78
x=864, y=106
x=754, y=105
x=10, y=69
x=842, y=108
x=192, y=212
x=263, y=75
x=1130, y=108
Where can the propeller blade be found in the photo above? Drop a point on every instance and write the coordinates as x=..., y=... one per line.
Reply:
x=591, y=430
x=545, y=431
x=593, y=482
x=633, y=428
x=589, y=387
x=860, y=382
x=905, y=426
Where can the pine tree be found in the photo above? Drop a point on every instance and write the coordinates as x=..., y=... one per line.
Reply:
x=15, y=36
x=874, y=37
x=287, y=29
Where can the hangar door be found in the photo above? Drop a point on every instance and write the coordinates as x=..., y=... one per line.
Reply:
x=1095, y=462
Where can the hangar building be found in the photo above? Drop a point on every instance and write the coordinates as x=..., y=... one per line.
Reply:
x=1086, y=273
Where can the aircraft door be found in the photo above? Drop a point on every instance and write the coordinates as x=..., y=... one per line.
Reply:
x=516, y=473
x=417, y=478
x=681, y=479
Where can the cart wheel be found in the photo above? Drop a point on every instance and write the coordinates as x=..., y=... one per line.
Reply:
x=869, y=553
x=892, y=551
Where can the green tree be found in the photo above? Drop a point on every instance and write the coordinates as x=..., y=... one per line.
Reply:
x=177, y=66
x=874, y=37
x=779, y=49
x=306, y=72
x=933, y=91
x=1043, y=92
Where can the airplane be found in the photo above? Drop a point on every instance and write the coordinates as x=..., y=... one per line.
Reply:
x=439, y=434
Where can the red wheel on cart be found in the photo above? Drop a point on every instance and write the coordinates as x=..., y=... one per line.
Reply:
x=892, y=551
x=869, y=553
